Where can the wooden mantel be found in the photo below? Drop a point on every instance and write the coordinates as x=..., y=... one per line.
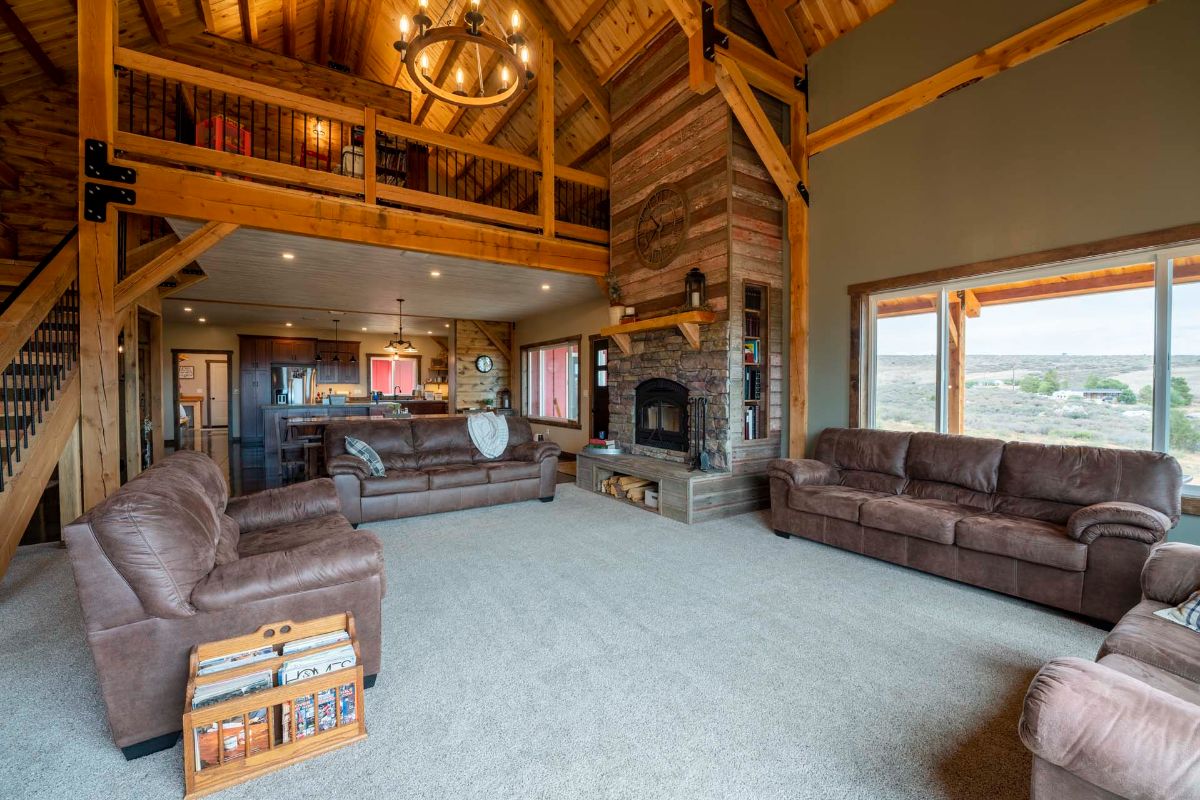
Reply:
x=688, y=322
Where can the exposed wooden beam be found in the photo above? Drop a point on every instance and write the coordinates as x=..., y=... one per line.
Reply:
x=577, y=68
x=164, y=191
x=491, y=337
x=289, y=28
x=459, y=113
x=1030, y=43
x=129, y=388
x=9, y=178
x=749, y=113
x=545, y=139
x=170, y=262
x=374, y=15
x=153, y=21
x=27, y=40
x=141, y=255
x=585, y=19
x=687, y=14
x=206, y=14
x=321, y=42
x=596, y=148
x=634, y=50
x=761, y=70
x=780, y=32
x=183, y=281
x=248, y=14
x=798, y=287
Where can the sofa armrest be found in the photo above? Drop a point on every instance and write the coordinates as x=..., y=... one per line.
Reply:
x=536, y=451
x=1126, y=520
x=1112, y=731
x=346, y=464
x=285, y=505
x=804, y=472
x=341, y=558
x=1171, y=573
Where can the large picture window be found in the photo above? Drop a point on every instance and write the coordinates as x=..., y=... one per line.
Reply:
x=1102, y=351
x=550, y=382
x=395, y=374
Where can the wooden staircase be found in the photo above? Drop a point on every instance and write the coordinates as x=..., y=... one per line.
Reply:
x=39, y=383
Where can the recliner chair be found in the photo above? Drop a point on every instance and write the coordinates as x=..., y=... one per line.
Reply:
x=168, y=562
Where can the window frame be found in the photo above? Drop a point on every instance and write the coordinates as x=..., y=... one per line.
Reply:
x=865, y=321
x=577, y=340
x=418, y=386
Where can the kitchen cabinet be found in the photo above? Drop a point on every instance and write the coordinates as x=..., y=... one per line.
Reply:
x=342, y=370
x=255, y=392
x=255, y=352
x=293, y=351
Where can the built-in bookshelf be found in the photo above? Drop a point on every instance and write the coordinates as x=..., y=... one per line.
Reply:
x=754, y=361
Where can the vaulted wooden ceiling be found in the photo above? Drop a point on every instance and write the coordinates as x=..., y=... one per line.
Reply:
x=595, y=40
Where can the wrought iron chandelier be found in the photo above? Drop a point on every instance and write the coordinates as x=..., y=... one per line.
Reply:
x=515, y=72
x=399, y=344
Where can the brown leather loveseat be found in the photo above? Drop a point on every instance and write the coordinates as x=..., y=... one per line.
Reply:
x=1066, y=526
x=169, y=561
x=1127, y=726
x=432, y=466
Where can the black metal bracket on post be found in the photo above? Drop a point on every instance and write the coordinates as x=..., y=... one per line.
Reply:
x=709, y=35
x=95, y=164
x=97, y=196
x=800, y=187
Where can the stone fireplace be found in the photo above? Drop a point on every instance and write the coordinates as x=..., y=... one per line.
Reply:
x=660, y=416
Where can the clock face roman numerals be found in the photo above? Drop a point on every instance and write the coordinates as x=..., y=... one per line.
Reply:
x=661, y=227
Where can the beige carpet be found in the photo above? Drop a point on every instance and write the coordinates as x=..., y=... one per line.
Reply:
x=587, y=649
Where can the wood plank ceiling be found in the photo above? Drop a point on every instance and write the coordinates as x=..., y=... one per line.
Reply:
x=595, y=39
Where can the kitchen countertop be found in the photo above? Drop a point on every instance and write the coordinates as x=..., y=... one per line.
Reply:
x=358, y=404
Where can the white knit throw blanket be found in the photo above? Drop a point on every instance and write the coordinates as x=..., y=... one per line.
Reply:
x=488, y=432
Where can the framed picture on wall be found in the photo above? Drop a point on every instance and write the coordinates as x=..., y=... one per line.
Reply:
x=187, y=372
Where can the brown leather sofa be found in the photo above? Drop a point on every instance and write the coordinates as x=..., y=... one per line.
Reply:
x=1127, y=726
x=1068, y=527
x=169, y=561
x=432, y=466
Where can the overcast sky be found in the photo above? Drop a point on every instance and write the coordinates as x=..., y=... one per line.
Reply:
x=1115, y=323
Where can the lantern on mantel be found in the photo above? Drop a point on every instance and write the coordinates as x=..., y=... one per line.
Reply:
x=693, y=288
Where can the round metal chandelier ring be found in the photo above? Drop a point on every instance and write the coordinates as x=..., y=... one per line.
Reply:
x=448, y=33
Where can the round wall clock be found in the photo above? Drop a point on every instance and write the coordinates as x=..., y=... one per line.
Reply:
x=661, y=226
x=484, y=364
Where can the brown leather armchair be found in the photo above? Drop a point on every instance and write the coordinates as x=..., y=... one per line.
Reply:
x=168, y=561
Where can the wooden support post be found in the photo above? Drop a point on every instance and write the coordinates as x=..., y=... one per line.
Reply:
x=545, y=96
x=369, y=155
x=156, y=388
x=702, y=77
x=798, y=322
x=131, y=392
x=956, y=398
x=99, y=401
x=70, y=486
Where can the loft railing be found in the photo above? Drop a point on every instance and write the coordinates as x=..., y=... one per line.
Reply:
x=185, y=115
x=38, y=349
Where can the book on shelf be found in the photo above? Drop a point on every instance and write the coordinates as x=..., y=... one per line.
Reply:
x=752, y=384
x=750, y=351
x=752, y=325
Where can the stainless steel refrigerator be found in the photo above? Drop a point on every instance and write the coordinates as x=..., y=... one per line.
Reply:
x=293, y=385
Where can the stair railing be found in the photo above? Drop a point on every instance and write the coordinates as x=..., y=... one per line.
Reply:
x=39, y=346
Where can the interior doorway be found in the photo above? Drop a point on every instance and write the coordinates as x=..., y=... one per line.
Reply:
x=599, y=379
x=203, y=394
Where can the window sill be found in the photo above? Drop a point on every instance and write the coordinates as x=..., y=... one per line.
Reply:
x=1191, y=504
x=555, y=423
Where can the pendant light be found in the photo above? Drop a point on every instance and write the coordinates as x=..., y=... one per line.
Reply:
x=336, y=357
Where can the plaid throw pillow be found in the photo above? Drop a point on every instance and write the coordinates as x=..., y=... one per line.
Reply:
x=357, y=447
x=1186, y=613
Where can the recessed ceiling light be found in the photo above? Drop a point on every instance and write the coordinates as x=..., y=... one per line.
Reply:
x=545, y=287
x=187, y=309
x=364, y=329
x=288, y=256
x=447, y=324
x=202, y=319
x=427, y=333
x=435, y=274
x=288, y=324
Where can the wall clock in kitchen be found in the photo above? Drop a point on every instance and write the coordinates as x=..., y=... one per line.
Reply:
x=661, y=226
x=484, y=364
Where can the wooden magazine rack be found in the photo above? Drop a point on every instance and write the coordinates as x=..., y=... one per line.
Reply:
x=259, y=746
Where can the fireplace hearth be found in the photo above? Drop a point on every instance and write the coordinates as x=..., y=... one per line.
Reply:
x=661, y=414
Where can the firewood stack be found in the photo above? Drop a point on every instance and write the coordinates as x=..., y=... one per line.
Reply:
x=626, y=487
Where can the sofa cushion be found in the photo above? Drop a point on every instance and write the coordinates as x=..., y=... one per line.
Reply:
x=227, y=544
x=440, y=442
x=1153, y=676
x=864, y=449
x=203, y=470
x=1023, y=539
x=967, y=461
x=839, y=502
x=294, y=534
x=1087, y=475
x=455, y=475
x=934, y=520
x=392, y=439
x=1032, y=508
x=1142, y=636
x=519, y=433
x=395, y=481
x=505, y=471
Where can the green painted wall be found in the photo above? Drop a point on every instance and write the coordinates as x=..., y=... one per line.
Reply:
x=1097, y=139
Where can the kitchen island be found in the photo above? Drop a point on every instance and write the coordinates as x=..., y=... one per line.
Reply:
x=274, y=418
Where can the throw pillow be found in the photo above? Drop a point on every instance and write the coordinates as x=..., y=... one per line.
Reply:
x=1186, y=613
x=357, y=447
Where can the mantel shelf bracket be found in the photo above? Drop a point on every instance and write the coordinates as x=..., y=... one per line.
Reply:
x=688, y=323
